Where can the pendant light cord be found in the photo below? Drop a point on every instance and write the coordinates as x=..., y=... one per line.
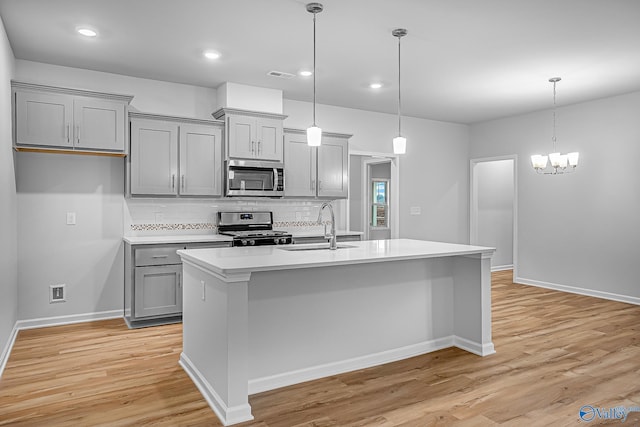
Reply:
x=399, y=91
x=314, y=69
x=554, y=117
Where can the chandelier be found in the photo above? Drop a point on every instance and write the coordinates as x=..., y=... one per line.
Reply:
x=314, y=133
x=560, y=163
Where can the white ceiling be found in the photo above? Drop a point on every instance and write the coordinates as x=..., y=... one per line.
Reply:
x=462, y=61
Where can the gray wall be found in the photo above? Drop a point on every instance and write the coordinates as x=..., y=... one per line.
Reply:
x=494, y=192
x=579, y=230
x=8, y=204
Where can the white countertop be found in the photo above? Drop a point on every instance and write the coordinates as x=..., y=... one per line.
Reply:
x=198, y=238
x=227, y=261
x=187, y=238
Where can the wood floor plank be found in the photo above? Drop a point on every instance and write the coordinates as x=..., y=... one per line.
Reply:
x=555, y=353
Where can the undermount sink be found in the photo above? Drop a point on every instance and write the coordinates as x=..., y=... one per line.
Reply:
x=312, y=247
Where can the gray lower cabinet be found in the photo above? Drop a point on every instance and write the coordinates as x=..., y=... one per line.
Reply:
x=153, y=282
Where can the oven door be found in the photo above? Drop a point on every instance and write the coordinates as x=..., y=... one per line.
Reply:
x=251, y=178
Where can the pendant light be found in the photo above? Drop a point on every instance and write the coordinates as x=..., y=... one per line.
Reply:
x=314, y=133
x=559, y=162
x=399, y=142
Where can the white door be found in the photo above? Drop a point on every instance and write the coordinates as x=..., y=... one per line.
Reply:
x=99, y=124
x=44, y=119
x=200, y=160
x=154, y=157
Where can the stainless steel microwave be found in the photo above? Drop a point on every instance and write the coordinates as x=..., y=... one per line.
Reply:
x=254, y=178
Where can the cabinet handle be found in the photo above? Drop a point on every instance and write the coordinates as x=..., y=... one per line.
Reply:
x=313, y=184
x=259, y=145
x=182, y=181
x=78, y=134
x=159, y=256
x=179, y=280
x=68, y=132
x=173, y=181
x=319, y=185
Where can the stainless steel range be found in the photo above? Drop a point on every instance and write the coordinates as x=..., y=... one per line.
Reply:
x=251, y=229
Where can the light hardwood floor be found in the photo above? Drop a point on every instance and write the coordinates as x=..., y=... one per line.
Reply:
x=555, y=353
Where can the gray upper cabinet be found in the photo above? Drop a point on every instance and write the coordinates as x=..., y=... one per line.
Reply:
x=252, y=135
x=63, y=119
x=316, y=172
x=175, y=156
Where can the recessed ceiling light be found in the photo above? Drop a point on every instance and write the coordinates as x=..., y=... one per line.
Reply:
x=87, y=32
x=306, y=73
x=211, y=54
x=375, y=85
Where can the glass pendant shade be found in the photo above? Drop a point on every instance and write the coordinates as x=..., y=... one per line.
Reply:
x=539, y=161
x=314, y=136
x=573, y=158
x=399, y=145
x=554, y=158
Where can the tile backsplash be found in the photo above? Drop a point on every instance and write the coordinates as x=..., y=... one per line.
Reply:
x=196, y=216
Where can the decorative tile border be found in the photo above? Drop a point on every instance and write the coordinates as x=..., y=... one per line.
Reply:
x=286, y=224
x=164, y=227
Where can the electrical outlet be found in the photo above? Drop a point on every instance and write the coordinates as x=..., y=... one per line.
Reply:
x=57, y=293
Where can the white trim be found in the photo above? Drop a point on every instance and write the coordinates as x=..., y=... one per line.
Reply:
x=258, y=385
x=228, y=416
x=67, y=320
x=473, y=211
x=580, y=291
x=502, y=267
x=474, y=347
x=6, y=352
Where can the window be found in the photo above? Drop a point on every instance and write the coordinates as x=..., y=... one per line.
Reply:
x=379, y=203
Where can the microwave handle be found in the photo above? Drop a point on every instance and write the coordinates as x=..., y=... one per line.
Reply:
x=275, y=179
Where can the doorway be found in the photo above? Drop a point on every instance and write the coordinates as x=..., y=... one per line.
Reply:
x=493, y=209
x=373, y=195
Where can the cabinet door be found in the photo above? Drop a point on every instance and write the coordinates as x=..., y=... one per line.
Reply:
x=333, y=168
x=242, y=137
x=200, y=160
x=299, y=167
x=269, y=139
x=44, y=119
x=154, y=157
x=99, y=124
x=158, y=291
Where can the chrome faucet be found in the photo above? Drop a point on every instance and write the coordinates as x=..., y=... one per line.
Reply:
x=333, y=245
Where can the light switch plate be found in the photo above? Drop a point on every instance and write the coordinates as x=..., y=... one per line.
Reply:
x=71, y=218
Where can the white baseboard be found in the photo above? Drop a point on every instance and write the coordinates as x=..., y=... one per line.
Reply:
x=581, y=291
x=6, y=352
x=227, y=415
x=474, y=347
x=67, y=320
x=259, y=385
x=502, y=267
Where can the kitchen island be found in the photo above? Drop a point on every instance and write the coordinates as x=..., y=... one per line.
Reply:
x=260, y=318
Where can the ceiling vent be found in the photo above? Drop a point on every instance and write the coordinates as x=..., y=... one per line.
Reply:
x=280, y=74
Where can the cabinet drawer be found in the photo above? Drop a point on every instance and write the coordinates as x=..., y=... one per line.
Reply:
x=157, y=256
